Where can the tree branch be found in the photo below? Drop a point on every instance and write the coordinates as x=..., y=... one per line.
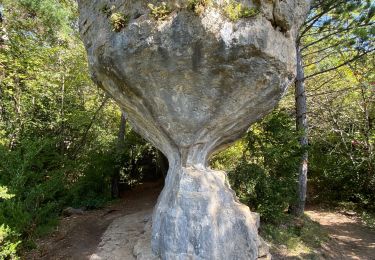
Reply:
x=326, y=48
x=338, y=66
x=84, y=137
x=332, y=34
x=321, y=59
x=310, y=23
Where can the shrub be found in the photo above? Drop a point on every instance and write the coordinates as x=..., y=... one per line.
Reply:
x=118, y=21
x=235, y=11
x=4, y=193
x=160, y=12
x=198, y=6
x=262, y=191
x=9, y=240
x=266, y=176
x=35, y=179
x=92, y=189
x=8, y=243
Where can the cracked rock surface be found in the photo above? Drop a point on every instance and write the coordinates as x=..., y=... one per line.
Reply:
x=192, y=84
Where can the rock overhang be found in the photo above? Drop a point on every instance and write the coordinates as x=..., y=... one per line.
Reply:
x=198, y=73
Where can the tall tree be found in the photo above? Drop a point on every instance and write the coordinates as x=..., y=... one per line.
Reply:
x=115, y=178
x=302, y=128
x=332, y=28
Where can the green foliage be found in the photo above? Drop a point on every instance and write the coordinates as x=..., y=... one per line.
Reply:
x=92, y=190
x=266, y=194
x=301, y=236
x=47, y=18
x=9, y=240
x=8, y=243
x=160, y=12
x=4, y=193
x=228, y=159
x=35, y=206
x=339, y=176
x=118, y=21
x=336, y=33
x=368, y=218
x=342, y=166
x=198, y=6
x=266, y=173
x=235, y=11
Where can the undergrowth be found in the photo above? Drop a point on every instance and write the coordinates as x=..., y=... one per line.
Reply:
x=367, y=216
x=299, y=236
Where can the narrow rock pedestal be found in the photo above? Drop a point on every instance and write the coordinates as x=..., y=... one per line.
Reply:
x=192, y=83
x=199, y=217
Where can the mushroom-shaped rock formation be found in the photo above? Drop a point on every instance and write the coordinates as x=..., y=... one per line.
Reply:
x=192, y=75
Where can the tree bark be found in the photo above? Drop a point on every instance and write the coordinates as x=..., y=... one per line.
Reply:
x=302, y=128
x=115, y=179
x=62, y=129
x=121, y=132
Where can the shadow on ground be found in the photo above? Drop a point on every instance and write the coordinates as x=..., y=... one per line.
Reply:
x=78, y=236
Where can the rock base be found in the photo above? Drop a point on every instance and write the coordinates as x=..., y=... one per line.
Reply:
x=129, y=237
x=199, y=217
x=121, y=236
x=142, y=249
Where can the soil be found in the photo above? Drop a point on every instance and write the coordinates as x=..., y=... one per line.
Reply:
x=79, y=236
x=349, y=238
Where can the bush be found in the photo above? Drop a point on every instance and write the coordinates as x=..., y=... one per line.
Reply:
x=198, y=6
x=92, y=189
x=160, y=12
x=235, y=11
x=264, y=193
x=118, y=21
x=36, y=181
x=9, y=240
x=8, y=243
x=266, y=176
x=340, y=176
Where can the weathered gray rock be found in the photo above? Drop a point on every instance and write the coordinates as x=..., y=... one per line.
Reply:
x=191, y=85
x=69, y=211
x=123, y=235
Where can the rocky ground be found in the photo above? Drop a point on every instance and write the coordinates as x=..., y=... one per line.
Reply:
x=101, y=233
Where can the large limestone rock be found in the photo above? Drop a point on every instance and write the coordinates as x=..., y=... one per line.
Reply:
x=192, y=84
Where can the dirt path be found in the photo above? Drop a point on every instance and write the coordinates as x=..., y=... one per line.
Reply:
x=78, y=237
x=349, y=238
x=93, y=234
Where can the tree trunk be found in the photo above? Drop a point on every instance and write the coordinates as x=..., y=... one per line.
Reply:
x=62, y=129
x=302, y=128
x=3, y=33
x=115, y=180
